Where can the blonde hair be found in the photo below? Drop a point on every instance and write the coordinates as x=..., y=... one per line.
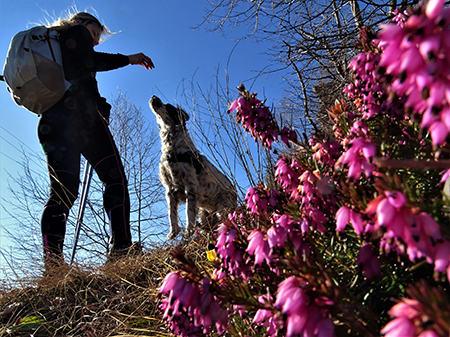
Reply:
x=81, y=17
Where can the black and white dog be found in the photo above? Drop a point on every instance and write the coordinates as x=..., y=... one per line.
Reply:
x=188, y=176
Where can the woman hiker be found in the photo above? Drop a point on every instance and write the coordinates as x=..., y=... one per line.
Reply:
x=78, y=125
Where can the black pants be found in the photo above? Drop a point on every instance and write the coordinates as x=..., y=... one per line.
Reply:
x=68, y=130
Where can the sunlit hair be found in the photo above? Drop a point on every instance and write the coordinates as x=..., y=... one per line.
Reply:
x=81, y=17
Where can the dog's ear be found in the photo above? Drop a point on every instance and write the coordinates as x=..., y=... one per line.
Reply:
x=184, y=117
x=178, y=115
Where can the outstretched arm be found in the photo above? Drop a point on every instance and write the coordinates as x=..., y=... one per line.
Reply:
x=141, y=59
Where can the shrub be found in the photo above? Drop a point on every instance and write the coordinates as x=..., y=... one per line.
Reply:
x=354, y=239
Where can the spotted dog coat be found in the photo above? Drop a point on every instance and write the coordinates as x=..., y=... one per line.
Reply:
x=188, y=176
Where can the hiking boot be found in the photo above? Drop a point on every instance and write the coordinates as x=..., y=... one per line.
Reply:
x=54, y=266
x=116, y=253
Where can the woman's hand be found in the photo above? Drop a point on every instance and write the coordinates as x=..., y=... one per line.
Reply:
x=141, y=59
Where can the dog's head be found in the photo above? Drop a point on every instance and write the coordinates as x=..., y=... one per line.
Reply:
x=168, y=113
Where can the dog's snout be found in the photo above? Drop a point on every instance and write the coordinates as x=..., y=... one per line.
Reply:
x=155, y=102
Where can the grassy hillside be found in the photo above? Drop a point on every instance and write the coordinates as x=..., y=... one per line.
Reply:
x=117, y=299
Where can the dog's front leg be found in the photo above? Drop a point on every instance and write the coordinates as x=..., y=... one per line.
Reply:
x=172, y=205
x=191, y=214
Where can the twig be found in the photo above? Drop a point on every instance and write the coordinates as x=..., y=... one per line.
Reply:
x=413, y=163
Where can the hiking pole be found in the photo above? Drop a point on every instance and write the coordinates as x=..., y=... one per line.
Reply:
x=87, y=175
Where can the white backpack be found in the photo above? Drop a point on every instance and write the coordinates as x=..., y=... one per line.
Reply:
x=33, y=69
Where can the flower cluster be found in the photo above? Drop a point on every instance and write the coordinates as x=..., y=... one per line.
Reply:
x=359, y=152
x=441, y=258
x=366, y=90
x=425, y=314
x=407, y=313
x=325, y=152
x=312, y=191
x=345, y=215
x=257, y=118
x=230, y=249
x=259, y=199
x=417, y=235
x=263, y=244
x=306, y=315
x=280, y=268
x=287, y=174
x=416, y=56
x=268, y=318
x=404, y=230
x=186, y=301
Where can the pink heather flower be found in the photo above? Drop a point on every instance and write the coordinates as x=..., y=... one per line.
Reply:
x=358, y=157
x=258, y=199
x=385, y=212
x=426, y=233
x=267, y=318
x=283, y=220
x=294, y=232
x=255, y=238
x=276, y=237
x=261, y=315
x=407, y=307
x=187, y=295
x=326, y=152
x=257, y=119
x=368, y=262
x=389, y=208
x=395, y=198
x=343, y=217
x=190, y=309
x=366, y=98
x=442, y=256
x=438, y=132
x=414, y=56
x=357, y=222
x=287, y=135
x=286, y=289
x=169, y=282
x=259, y=247
x=400, y=18
x=287, y=174
x=316, y=219
x=434, y=8
x=232, y=257
x=399, y=327
x=445, y=175
x=304, y=316
x=253, y=201
x=407, y=232
x=291, y=297
x=314, y=194
x=410, y=320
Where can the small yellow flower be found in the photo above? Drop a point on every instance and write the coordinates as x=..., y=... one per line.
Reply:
x=211, y=255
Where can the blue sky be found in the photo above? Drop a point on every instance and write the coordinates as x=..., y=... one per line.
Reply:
x=162, y=29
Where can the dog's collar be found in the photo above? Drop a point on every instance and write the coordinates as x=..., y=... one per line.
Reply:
x=187, y=157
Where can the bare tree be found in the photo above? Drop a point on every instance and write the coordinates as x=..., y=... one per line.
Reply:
x=29, y=193
x=312, y=41
x=220, y=138
x=139, y=149
x=138, y=145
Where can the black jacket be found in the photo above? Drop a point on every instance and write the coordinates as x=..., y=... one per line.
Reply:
x=81, y=62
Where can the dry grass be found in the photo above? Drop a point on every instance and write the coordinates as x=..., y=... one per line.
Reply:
x=117, y=299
